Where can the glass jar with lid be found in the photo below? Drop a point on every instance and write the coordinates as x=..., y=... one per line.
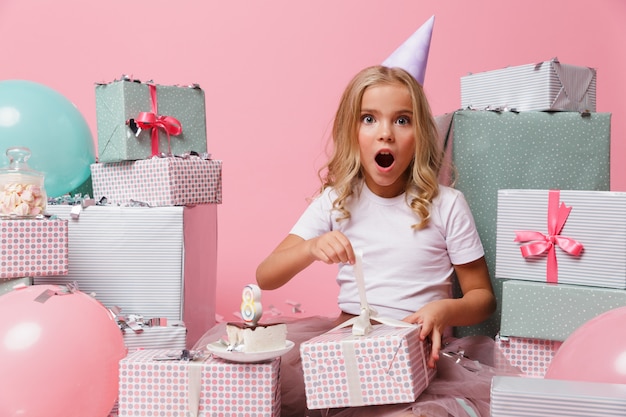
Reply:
x=22, y=192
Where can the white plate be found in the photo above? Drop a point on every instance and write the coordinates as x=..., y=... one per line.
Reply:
x=219, y=349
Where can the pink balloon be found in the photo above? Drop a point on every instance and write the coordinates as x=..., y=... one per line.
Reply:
x=59, y=354
x=595, y=352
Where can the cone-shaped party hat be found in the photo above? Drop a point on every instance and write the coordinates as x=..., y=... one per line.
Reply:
x=412, y=55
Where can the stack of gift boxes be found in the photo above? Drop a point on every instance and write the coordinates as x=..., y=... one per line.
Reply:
x=532, y=158
x=155, y=188
x=146, y=247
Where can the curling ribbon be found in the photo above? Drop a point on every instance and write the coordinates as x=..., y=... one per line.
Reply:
x=150, y=120
x=540, y=243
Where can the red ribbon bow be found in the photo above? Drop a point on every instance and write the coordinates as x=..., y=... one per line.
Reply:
x=540, y=243
x=150, y=120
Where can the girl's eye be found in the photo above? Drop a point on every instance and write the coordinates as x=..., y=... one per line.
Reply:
x=403, y=120
x=367, y=118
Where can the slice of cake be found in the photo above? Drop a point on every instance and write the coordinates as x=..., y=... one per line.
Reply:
x=252, y=336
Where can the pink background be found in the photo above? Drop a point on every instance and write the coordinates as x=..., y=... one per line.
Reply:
x=273, y=71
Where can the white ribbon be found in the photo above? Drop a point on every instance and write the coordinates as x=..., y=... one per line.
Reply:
x=194, y=388
x=361, y=325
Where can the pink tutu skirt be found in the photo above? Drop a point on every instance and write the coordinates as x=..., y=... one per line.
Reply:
x=460, y=389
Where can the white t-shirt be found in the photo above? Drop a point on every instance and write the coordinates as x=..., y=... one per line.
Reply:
x=403, y=268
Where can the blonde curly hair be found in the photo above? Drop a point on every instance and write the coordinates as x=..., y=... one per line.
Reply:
x=343, y=170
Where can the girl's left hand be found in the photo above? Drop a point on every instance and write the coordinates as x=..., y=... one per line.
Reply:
x=432, y=317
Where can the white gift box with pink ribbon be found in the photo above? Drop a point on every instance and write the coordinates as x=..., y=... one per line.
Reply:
x=157, y=382
x=562, y=236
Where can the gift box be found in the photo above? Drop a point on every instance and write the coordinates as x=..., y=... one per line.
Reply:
x=514, y=396
x=159, y=181
x=172, y=335
x=151, y=385
x=8, y=284
x=528, y=150
x=175, y=114
x=531, y=356
x=140, y=260
x=588, y=229
x=553, y=311
x=548, y=85
x=387, y=366
x=33, y=247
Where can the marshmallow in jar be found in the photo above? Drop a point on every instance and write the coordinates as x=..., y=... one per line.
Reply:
x=22, y=192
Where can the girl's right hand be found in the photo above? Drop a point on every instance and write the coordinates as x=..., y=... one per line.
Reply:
x=332, y=248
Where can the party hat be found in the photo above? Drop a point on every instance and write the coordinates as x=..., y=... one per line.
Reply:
x=412, y=55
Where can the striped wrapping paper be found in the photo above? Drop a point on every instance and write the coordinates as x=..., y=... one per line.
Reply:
x=130, y=257
x=597, y=221
x=172, y=336
x=547, y=85
x=525, y=397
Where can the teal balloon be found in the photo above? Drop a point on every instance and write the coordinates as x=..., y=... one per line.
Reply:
x=43, y=120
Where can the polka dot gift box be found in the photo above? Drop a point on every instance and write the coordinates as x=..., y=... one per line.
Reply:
x=526, y=150
x=159, y=182
x=540, y=310
x=531, y=356
x=387, y=366
x=37, y=247
x=153, y=383
x=129, y=113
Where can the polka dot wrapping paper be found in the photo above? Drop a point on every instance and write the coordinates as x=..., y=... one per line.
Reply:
x=589, y=250
x=153, y=388
x=387, y=366
x=539, y=310
x=119, y=101
x=526, y=150
x=159, y=182
x=531, y=356
x=37, y=247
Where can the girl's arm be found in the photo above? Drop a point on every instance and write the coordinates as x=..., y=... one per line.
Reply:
x=477, y=304
x=294, y=254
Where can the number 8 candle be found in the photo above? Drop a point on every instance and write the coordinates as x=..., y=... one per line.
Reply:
x=251, y=308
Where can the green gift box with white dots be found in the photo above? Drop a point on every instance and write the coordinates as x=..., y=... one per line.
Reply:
x=120, y=101
x=526, y=150
x=553, y=311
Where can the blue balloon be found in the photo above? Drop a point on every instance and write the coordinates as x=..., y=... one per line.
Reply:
x=39, y=118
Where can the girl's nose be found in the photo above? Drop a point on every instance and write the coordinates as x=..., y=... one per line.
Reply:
x=385, y=133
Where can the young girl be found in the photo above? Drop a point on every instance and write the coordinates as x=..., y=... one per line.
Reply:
x=380, y=194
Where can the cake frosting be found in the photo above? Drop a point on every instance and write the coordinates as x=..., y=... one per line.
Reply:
x=256, y=338
x=250, y=335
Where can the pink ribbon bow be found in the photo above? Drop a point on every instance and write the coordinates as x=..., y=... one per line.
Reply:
x=150, y=120
x=540, y=243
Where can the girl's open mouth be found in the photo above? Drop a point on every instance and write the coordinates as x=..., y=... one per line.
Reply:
x=384, y=159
